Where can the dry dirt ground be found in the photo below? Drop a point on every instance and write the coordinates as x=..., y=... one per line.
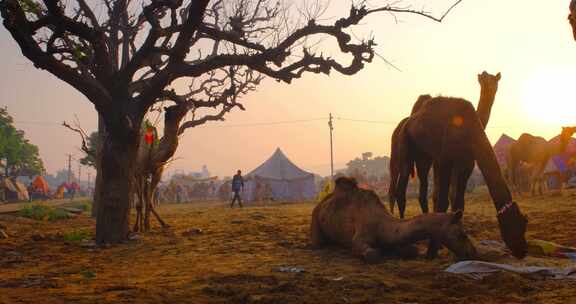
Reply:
x=235, y=257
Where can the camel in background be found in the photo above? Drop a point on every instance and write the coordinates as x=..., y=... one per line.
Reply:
x=404, y=155
x=449, y=132
x=536, y=152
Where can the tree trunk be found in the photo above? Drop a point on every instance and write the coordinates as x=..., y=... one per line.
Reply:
x=118, y=160
x=98, y=178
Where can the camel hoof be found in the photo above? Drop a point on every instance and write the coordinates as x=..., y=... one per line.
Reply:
x=371, y=256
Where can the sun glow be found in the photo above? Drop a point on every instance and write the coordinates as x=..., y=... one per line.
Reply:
x=550, y=97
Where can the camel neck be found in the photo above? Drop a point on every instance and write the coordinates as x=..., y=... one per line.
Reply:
x=415, y=229
x=560, y=146
x=485, y=105
x=488, y=165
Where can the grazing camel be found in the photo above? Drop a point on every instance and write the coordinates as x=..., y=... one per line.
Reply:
x=405, y=155
x=448, y=131
x=356, y=218
x=535, y=151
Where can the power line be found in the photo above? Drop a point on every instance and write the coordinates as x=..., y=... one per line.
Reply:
x=271, y=123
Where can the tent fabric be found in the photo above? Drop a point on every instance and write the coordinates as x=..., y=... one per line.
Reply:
x=281, y=179
x=40, y=185
x=279, y=167
x=501, y=149
x=563, y=162
x=14, y=190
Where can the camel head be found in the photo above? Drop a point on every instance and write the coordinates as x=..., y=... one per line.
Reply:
x=453, y=237
x=567, y=132
x=489, y=82
x=572, y=17
x=512, y=229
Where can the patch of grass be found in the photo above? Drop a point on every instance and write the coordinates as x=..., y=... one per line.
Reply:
x=42, y=212
x=76, y=235
x=85, y=206
x=58, y=214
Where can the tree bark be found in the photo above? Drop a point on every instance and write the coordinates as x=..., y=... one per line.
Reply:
x=98, y=162
x=118, y=160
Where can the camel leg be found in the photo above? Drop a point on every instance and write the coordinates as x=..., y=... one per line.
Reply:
x=361, y=248
x=458, y=187
x=423, y=169
x=401, y=190
x=317, y=238
x=537, y=179
x=442, y=175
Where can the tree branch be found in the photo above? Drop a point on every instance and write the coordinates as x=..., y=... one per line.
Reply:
x=83, y=136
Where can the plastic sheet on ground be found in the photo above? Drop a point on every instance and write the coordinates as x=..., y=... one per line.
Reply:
x=536, y=248
x=479, y=270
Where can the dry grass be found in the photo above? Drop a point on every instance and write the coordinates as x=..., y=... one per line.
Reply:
x=233, y=261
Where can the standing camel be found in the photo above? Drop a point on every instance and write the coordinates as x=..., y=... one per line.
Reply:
x=449, y=131
x=405, y=155
x=535, y=151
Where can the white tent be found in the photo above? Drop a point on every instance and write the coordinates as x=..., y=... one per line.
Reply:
x=282, y=179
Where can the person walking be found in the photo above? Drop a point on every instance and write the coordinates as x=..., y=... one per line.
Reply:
x=237, y=186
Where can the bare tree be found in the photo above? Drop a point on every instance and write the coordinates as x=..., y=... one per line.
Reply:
x=128, y=57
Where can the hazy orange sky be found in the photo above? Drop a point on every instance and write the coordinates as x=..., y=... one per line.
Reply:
x=529, y=42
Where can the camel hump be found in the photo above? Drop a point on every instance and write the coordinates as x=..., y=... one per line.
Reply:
x=420, y=102
x=346, y=183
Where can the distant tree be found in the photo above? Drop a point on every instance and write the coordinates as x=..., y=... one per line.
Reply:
x=368, y=167
x=18, y=157
x=182, y=56
x=89, y=158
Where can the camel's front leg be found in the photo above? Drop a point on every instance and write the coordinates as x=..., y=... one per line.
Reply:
x=361, y=248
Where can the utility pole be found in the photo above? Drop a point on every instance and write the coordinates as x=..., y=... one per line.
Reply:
x=331, y=148
x=69, y=168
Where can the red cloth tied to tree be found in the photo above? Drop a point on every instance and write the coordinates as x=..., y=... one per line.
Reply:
x=149, y=136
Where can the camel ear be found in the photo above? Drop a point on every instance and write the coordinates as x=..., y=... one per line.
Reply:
x=457, y=217
x=498, y=76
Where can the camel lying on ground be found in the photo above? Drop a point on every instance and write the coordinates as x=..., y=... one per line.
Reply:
x=536, y=152
x=405, y=155
x=357, y=219
x=448, y=131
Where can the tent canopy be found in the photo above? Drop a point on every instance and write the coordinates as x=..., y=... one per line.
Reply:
x=14, y=190
x=40, y=185
x=279, y=167
x=279, y=179
x=501, y=149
